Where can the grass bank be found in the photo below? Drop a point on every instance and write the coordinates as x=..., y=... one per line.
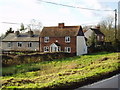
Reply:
x=62, y=73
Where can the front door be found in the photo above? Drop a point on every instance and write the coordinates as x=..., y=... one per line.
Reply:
x=54, y=49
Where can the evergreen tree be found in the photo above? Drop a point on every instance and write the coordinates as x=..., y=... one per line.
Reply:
x=9, y=31
x=22, y=27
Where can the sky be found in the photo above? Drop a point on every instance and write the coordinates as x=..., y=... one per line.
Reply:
x=23, y=11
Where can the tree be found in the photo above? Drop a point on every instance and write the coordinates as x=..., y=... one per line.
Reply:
x=22, y=27
x=9, y=31
x=107, y=23
x=108, y=29
x=92, y=40
x=106, y=26
x=35, y=25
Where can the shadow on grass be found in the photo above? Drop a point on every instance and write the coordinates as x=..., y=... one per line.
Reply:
x=99, y=53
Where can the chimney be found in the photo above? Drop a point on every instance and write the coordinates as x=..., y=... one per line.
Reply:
x=30, y=33
x=60, y=25
x=17, y=33
x=98, y=27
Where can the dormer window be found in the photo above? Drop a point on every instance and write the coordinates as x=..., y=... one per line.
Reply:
x=46, y=39
x=67, y=39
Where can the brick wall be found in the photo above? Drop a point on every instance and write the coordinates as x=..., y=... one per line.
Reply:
x=61, y=41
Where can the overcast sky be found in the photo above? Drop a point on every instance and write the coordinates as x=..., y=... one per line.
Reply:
x=23, y=11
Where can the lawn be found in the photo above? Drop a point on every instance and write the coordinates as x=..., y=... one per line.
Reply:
x=62, y=73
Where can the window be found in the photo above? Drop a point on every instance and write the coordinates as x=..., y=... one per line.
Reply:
x=68, y=49
x=102, y=37
x=67, y=39
x=46, y=49
x=9, y=44
x=46, y=39
x=29, y=44
x=98, y=38
x=19, y=44
x=59, y=49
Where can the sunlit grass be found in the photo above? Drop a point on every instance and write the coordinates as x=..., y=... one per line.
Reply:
x=60, y=72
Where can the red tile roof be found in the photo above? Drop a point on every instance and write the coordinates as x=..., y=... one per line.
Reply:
x=62, y=31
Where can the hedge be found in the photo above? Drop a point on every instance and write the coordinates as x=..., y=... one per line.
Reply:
x=9, y=60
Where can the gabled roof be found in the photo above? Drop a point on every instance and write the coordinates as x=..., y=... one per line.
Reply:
x=97, y=31
x=62, y=31
x=21, y=37
x=57, y=43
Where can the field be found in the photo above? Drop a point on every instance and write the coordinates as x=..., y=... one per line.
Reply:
x=62, y=73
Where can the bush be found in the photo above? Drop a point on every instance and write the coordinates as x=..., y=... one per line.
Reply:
x=31, y=58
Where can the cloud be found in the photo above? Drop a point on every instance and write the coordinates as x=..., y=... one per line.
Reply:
x=22, y=11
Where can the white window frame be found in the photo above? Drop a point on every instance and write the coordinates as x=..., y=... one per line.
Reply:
x=67, y=39
x=102, y=37
x=46, y=49
x=46, y=39
x=18, y=44
x=9, y=44
x=98, y=38
x=59, y=49
x=29, y=44
x=68, y=49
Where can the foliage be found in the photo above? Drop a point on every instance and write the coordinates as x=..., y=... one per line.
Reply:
x=61, y=73
x=91, y=42
x=22, y=58
x=9, y=31
x=116, y=44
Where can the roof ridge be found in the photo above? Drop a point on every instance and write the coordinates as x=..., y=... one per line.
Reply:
x=63, y=27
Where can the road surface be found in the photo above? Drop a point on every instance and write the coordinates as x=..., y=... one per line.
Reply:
x=113, y=82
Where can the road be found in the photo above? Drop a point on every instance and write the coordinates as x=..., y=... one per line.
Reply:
x=113, y=82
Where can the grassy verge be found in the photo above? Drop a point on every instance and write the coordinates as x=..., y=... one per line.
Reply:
x=59, y=73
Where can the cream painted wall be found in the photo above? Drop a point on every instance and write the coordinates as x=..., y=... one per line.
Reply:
x=35, y=46
x=81, y=47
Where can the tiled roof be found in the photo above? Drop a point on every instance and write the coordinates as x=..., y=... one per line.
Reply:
x=62, y=32
x=97, y=31
x=57, y=43
x=21, y=37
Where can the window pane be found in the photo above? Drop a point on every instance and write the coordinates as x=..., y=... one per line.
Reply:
x=46, y=39
x=29, y=44
x=67, y=39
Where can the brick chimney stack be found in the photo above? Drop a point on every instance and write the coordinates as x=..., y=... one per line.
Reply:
x=61, y=25
x=17, y=33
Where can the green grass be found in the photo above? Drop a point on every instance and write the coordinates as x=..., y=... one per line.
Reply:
x=60, y=72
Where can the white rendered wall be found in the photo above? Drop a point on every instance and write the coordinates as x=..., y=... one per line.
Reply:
x=81, y=45
x=88, y=33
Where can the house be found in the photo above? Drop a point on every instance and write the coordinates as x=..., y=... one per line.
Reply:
x=63, y=38
x=100, y=37
x=21, y=42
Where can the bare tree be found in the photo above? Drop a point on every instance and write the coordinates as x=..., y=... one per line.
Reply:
x=107, y=23
x=35, y=25
x=107, y=27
